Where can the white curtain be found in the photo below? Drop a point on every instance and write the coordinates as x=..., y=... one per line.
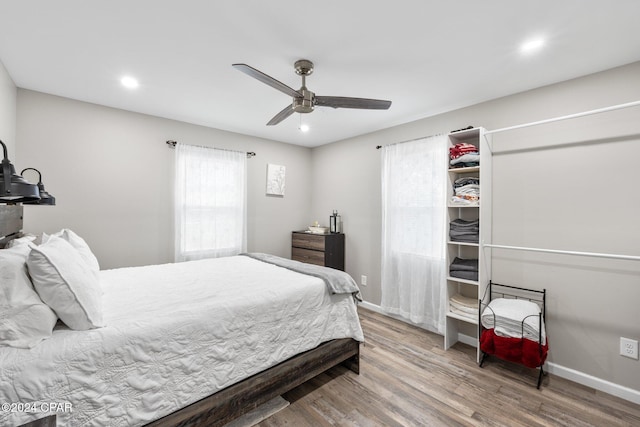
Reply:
x=210, y=202
x=413, y=231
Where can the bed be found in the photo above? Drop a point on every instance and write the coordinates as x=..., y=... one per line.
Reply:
x=194, y=343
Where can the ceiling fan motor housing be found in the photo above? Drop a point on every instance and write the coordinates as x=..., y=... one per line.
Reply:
x=304, y=104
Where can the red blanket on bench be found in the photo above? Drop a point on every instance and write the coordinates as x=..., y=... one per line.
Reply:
x=519, y=350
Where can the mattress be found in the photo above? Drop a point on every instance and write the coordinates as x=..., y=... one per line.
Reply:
x=175, y=333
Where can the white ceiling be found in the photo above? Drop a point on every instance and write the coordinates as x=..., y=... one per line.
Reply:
x=427, y=56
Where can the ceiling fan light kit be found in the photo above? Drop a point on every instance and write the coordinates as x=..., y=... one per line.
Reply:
x=304, y=100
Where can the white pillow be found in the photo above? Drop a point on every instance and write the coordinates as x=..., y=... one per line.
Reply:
x=66, y=283
x=24, y=319
x=79, y=244
x=24, y=240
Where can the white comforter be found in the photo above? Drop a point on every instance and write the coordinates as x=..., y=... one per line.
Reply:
x=175, y=333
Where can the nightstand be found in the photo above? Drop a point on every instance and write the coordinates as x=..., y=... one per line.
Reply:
x=319, y=249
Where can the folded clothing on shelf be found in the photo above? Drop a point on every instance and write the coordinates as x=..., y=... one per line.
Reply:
x=465, y=165
x=466, y=158
x=464, y=201
x=516, y=318
x=470, y=316
x=464, y=269
x=464, y=155
x=461, y=230
x=465, y=180
x=461, y=149
x=464, y=306
x=466, y=191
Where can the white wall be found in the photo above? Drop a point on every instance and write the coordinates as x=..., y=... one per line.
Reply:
x=577, y=195
x=8, y=93
x=111, y=173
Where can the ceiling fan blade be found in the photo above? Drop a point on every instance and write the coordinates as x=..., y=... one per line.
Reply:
x=259, y=75
x=346, y=102
x=286, y=112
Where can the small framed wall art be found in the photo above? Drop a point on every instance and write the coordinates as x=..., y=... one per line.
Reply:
x=275, y=180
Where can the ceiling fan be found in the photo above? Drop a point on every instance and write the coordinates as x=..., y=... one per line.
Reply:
x=304, y=100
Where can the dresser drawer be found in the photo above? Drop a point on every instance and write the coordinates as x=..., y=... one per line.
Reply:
x=320, y=249
x=308, y=241
x=308, y=256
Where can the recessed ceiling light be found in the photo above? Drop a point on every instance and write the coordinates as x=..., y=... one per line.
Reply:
x=129, y=82
x=531, y=45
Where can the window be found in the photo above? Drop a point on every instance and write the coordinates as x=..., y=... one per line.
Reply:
x=210, y=202
x=413, y=231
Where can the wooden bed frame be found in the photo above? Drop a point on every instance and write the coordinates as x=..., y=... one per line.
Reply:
x=230, y=403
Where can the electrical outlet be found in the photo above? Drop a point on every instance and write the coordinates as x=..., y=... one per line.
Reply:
x=629, y=348
x=363, y=280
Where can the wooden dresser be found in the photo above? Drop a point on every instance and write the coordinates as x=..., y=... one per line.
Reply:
x=319, y=249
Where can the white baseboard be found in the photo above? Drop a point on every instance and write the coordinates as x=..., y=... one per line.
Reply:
x=378, y=309
x=599, y=384
x=582, y=378
x=466, y=339
x=374, y=307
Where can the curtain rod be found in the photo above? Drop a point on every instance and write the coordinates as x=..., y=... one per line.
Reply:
x=408, y=140
x=555, y=251
x=570, y=116
x=171, y=143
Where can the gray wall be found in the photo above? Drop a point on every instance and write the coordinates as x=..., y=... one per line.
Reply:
x=111, y=173
x=8, y=95
x=575, y=194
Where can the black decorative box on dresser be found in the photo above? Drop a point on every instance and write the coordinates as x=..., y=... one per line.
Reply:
x=319, y=249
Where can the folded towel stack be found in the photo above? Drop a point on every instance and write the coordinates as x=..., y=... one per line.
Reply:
x=464, y=306
x=464, y=231
x=514, y=318
x=464, y=268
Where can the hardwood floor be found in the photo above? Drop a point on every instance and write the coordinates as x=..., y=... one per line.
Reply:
x=407, y=379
